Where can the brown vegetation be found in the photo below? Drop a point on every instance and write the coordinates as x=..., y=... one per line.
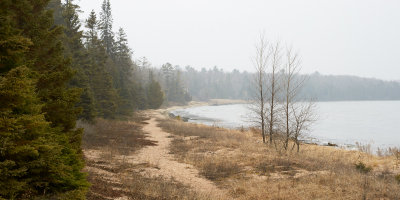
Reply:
x=240, y=163
x=108, y=147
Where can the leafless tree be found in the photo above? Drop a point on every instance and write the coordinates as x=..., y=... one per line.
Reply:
x=277, y=83
x=273, y=89
x=260, y=62
x=303, y=117
x=298, y=116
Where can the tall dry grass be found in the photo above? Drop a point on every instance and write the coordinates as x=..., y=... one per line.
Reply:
x=108, y=146
x=240, y=163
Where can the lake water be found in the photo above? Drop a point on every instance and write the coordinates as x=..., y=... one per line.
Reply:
x=344, y=123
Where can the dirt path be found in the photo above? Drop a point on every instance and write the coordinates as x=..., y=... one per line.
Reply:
x=164, y=164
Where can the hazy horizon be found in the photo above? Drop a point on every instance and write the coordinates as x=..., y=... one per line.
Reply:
x=356, y=38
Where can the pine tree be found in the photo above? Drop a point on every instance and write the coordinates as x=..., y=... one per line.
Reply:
x=20, y=108
x=173, y=85
x=101, y=82
x=167, y=70
x=140, y=97
x=124, y=82
x=44, y=111
x=106, y=23
x=75, y=50
x=155, y=95
x=46, y=57
x=66, y=15
x=91, y=34
x=32, y=159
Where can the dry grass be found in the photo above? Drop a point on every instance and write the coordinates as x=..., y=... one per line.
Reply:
x=240, y=163
x=108, y=145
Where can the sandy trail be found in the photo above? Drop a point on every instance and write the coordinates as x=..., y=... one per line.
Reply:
x=165, y=165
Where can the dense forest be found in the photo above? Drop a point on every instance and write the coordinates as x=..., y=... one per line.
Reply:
x=54, y=71
x=217, y=84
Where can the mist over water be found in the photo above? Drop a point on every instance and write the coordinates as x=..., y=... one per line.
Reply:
x=344, y=123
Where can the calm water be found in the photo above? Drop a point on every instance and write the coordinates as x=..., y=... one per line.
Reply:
x=344, y=123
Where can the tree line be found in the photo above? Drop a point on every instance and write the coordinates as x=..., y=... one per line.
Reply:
x=215, y=83
x=54, y=70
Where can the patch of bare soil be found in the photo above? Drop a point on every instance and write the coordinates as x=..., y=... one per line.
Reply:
x=110, y=148
x=164, y=165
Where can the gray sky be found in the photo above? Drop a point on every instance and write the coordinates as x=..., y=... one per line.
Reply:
x=354, y=37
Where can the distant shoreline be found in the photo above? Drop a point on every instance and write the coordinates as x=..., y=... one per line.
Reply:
x=219, y=102
x=311, y=139
x=211, y=102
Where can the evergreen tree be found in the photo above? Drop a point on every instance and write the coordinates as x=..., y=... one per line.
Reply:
x=29, y=33
x=74, y=50
x=140, y=92
x=140, y=97
x=100, y=82
x=13, y=45
x=155, y=95
x=32, y=159
x=124, y=84
x=46, y=57
x=173, y=85
x=167, y=70
x=91, y=34
x=106, y=23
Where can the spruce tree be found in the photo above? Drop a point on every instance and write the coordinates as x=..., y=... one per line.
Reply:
x=101, y=82
x=74, y=50
x=13, y=46
x=125, y=83
x=155, y=96
x=42, y=115
x=32, y=161
x=106, y=24
x=140, y=96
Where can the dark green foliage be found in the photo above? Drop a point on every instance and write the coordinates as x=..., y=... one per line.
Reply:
x=40, y=148
x=46, y=57
x=173, y=84
x=154, y=93
x=66, y=15
x=124, y=70
x=360, y=166
x=140, y=97
x=106, y=23
x=100, y=81
x=51, y=73
x=398, y=178
x=33, y=159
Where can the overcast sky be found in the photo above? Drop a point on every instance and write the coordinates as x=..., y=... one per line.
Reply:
x=353, y=37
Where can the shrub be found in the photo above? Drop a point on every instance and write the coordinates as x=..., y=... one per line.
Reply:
x=398, y=178
x=215, y=170
x=363, y=168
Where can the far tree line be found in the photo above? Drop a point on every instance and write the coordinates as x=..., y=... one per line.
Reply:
x=216, y=83
x=54, y=70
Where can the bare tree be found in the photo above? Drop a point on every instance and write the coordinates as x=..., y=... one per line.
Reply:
x=303, y=117
x=298, y=116
x=273, y=89
x=277, y=83
x=260, y=62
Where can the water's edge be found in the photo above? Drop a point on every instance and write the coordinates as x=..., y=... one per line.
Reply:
x=336, y=129
x=187, y=117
